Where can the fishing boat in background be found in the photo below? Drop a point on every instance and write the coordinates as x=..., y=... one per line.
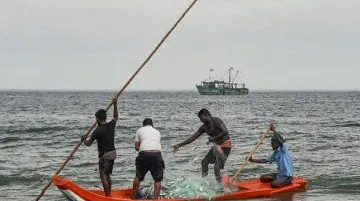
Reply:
x=243, y=190
x=216, y=87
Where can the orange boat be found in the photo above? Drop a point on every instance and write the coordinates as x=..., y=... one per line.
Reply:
x=246, y=189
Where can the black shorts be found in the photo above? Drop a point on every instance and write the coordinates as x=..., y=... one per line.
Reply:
x=150, y=161
x=106, y=166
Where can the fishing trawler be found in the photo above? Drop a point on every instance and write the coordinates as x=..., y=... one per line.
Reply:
x=216, y=87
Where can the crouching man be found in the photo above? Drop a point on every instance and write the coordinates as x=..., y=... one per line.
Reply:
x=282, y=157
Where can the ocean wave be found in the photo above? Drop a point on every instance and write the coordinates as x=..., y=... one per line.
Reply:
x=10, y=139
x=337, y=184
x=45, y=129
x=14, y=179
x=12, y=146
x=127, y=128
x=38, y=129
x=348, y=125
x=86, y=164
x=343, y=124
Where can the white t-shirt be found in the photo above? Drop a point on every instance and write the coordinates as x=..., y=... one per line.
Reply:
x=149, y=138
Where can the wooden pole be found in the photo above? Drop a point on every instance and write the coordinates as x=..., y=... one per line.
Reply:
x=250, y=155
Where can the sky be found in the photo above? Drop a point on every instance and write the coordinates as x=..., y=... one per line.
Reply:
x=98, y=45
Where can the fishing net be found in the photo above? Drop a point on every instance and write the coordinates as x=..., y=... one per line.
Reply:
x=191, y=186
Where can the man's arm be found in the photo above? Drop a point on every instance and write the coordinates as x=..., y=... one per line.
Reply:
x=87, y=142
x=223, y=132
x=188, y=141
x=115, y=114
x=258, y=160
x=137, y=145
x=137, y=141
x=269, y=159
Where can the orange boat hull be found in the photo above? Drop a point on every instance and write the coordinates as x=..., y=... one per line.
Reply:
x=247, y=189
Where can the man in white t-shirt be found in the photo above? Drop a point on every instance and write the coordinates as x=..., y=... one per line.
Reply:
x=147, y=142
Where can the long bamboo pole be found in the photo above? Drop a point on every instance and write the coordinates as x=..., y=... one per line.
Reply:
x=249, y=156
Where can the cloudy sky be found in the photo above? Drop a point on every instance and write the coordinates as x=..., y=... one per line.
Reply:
x=98, y=44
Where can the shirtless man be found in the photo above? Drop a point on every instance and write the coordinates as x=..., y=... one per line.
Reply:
x=219, y=135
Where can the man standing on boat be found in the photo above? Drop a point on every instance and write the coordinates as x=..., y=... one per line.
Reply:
x=283, y=160
x=219, y=135
x=147, y=142
x=104, y=135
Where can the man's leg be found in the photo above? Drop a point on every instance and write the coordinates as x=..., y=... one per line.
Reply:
x=217, y=171
x=157, y=186
x=110, y=169
x=268, y=178
x=109, y=182
x=141, y=170
x=157, y=167
x=219, y=158
x=209, y=158
x=136, y=185
x=105, y=169
x=220, y=162
x=106, y=182
x=277, y=183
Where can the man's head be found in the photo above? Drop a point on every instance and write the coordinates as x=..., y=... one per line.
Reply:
x=204, y=115
x=100, y=115
x=276, y=141
x=148, y=122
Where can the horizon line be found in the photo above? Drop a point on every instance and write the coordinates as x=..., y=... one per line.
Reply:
x=173, y=90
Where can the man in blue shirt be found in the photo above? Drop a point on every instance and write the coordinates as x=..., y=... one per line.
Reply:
x=282, y=157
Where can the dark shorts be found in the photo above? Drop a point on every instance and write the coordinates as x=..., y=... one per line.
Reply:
x=150, y=161
x=106, y=166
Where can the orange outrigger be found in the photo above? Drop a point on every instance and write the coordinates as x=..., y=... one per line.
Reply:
x=246, y=189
